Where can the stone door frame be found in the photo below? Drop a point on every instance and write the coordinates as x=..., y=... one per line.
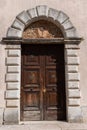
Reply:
x=13, y=42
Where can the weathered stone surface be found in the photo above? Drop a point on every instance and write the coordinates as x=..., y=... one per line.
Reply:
x=1, y=115
x=24, y=17
x=12, y=32
x=45, y=125
x=18, y=24
x=14, y=53
x=74, y=102
x=11, y=46
x=72, y=60
x=10, y=77
x=74, y=93
x=73, y=84
x=42, y=10
x=72, y=52
x=72, y=46
x=13, y=86
x=52, y=13
x=72, y=68
x=84, y=113
x=10, y=94
x=71, y=32
x=32, y=12
x=67, y=24
x=11, y=116
x=75, y=114
x=12, y=103
x=14, y=69
x=12, y=61
x=73, y=76
x=62, y=17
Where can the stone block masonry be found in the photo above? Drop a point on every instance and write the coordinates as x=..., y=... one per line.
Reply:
x=72, y=82
x=12, y=94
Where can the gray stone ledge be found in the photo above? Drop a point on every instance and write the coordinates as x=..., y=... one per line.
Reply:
x=72, y=46
x=32, y=12
x=10, y=77
x=12, y=94
x=13, y=61
x=12, y=103
x=18, y=24
x=12, y=32
x=72, y=52
x=74, y=93
x=13, y=69
x=13, y=86
x=14, y=52
x=13, y=46
x=74, y=102
x=42, y=10
x=72, y=60
x=53, y=13
x=73, y=76
x=11, y=116
x=72, y=68
x=24, y=17
x=73, y=84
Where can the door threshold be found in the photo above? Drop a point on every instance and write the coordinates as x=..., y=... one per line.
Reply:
x=37, y=122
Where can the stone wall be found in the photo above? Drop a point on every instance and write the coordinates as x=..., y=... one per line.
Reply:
x=13, y=78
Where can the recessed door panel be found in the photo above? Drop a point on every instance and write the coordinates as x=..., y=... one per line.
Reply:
x=32, y=60
x=32, y=78
x=51, y=77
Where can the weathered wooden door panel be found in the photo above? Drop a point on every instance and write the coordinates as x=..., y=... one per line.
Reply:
x=31, y=100
x=43, y=85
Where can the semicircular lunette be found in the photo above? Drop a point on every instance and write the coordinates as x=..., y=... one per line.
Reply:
x=42, y=29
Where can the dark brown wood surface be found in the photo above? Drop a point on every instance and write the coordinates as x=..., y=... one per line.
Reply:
x=43, y=83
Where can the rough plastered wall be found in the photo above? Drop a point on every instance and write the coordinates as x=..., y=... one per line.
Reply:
x=75, y=9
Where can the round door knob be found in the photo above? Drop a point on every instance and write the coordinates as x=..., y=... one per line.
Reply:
x=44, y=90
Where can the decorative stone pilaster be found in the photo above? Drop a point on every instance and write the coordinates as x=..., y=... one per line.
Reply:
x=12, y=94
x=72, y=83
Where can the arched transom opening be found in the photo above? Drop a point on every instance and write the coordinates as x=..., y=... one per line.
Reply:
x=42, y=29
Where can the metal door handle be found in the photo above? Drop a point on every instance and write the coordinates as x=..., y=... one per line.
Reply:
x=44, y=90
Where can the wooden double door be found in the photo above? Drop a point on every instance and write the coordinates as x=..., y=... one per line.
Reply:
x=43, y=83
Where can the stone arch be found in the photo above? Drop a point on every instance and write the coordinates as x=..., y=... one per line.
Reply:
x=41, y=12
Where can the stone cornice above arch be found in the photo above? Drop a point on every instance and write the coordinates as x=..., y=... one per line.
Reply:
x=41, y=12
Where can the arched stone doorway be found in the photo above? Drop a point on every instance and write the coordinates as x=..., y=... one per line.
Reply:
x=17, y=34
x=43, y=92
